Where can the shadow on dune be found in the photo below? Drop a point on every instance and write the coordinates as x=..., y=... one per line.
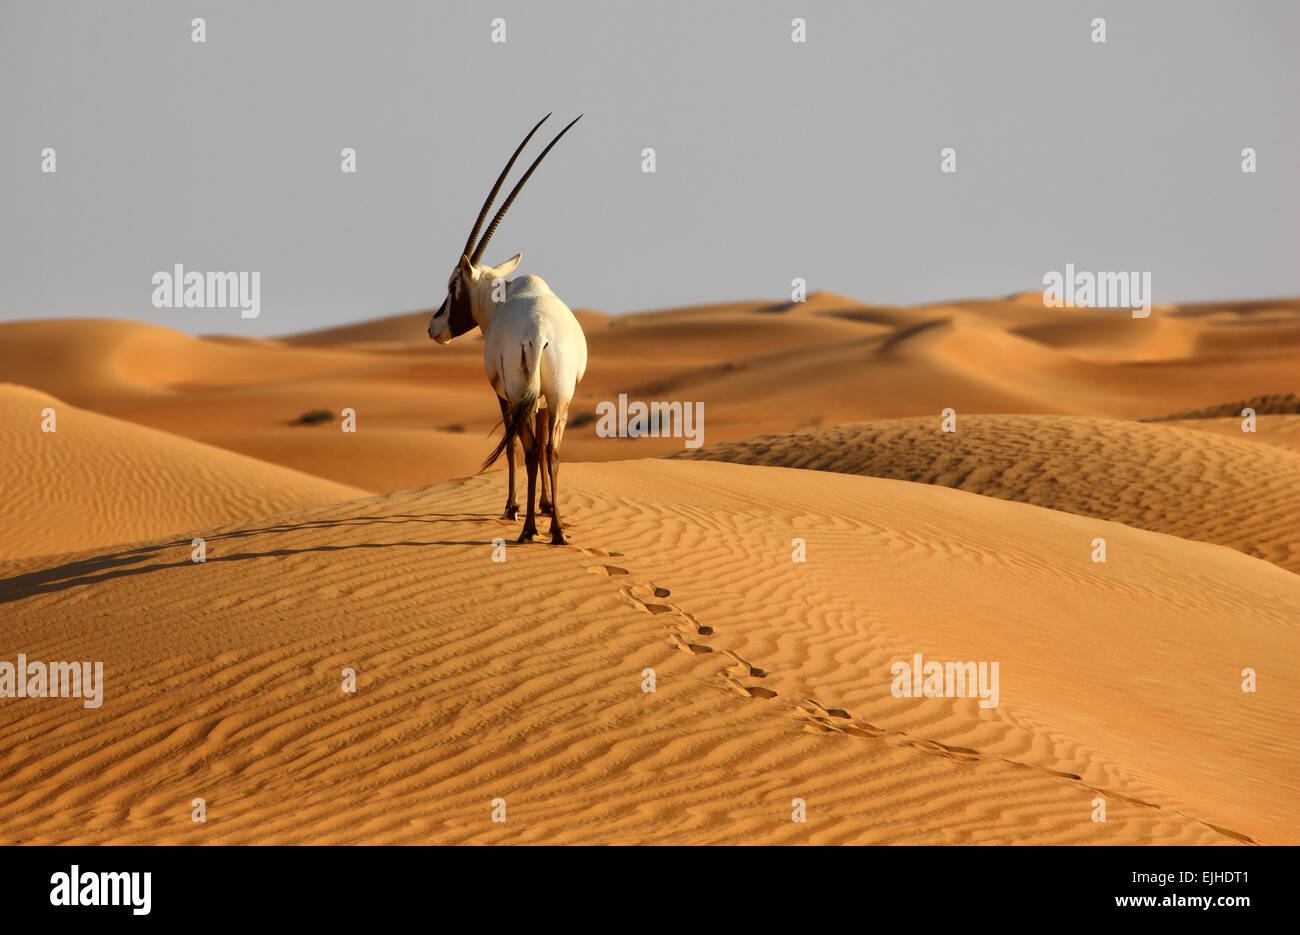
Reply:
x=100, y=568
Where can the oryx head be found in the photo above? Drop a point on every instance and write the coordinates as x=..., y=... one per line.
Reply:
x=456, y=314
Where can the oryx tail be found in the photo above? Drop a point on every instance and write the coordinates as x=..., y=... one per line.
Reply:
x=522, y=393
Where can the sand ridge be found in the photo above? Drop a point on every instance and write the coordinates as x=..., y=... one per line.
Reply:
x=1156, y=476
x=523, y=680
x=96, y=481
x=758, y=367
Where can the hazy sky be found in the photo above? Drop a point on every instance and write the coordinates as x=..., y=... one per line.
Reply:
x=774, y=159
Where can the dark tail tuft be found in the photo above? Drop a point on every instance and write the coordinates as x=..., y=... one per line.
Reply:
x=517, y=417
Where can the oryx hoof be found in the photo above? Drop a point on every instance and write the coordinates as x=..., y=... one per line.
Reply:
x=546, y=508
x=511, y=512
x=526, y=536
x=558, y=537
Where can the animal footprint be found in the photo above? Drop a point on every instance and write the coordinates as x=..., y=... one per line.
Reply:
x=695, y=625
x=694, y=649
x=636, y=595
x=647, y=591
x=749, y=691
x=742, y=668
x=611, y=571
x=814, y=709
x=865, y=730
x=820, y=719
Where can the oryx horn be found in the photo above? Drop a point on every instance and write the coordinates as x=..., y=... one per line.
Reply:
x=487, y=235
x=478, y=225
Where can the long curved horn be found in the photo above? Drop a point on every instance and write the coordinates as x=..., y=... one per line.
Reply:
x=473, y=235
x=487, y=235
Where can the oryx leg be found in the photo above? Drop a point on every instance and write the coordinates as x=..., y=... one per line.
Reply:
x=546, y=504
x=556, y=418
x=532, y=455
x=512, y=505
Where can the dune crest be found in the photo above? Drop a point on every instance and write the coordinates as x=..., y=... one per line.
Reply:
x=760, y=366
x=97, y=481
x=524, y=680
x=1157, y=477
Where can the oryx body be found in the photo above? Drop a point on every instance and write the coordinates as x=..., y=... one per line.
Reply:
x=534, y=355
x=535, y=346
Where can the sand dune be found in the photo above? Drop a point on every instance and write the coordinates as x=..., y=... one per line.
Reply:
x=96, y=362
x=96, y=481
x=1272, y=404
x=1277, y=420
x=522, y=680
x=1151, y=476
x=1280, y=431
x=1107, y=338
x=403, y=330
x=757, y=367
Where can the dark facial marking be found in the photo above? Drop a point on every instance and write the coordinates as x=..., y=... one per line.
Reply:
x=461, y=315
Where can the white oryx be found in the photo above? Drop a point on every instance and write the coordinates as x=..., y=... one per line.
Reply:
x=534, y=352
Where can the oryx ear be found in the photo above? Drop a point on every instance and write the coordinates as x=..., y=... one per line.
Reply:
x=506, y=268
x=465, y=265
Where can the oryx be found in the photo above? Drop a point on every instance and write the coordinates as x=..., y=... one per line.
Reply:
x=534, y=352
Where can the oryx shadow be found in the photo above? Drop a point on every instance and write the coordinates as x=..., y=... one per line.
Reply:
x=125, y=563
